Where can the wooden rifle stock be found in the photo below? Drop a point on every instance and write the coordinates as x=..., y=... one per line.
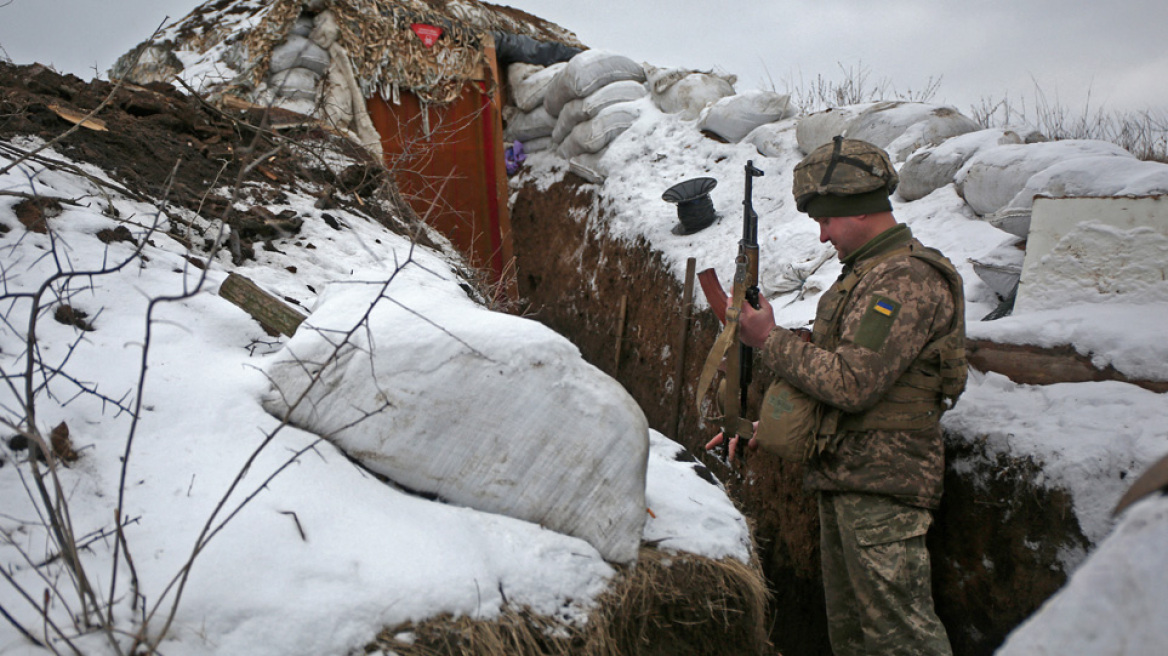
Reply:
x=738, y=361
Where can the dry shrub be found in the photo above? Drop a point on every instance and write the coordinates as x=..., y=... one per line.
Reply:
x=669, y=604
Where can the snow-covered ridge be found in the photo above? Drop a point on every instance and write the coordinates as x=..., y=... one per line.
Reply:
x=325, y=555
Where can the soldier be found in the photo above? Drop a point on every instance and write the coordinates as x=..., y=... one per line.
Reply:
x=886, y=358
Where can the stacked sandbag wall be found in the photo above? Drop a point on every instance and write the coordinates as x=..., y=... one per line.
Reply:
x=298, y=65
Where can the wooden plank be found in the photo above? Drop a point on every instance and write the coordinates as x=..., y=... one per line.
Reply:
x=78, y=118
x=276, y=316
x=682, y=337
x=1035, y=365
x=620, y=332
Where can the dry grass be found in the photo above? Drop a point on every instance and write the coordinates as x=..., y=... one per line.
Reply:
x=667, y=605
x=1142, y=133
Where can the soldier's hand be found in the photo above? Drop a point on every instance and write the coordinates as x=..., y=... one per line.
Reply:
x=754, y=326
x=719, y=438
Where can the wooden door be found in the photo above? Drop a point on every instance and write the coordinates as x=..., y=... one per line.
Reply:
x=448, y=163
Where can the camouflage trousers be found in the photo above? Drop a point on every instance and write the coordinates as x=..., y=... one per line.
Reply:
x=876, y=577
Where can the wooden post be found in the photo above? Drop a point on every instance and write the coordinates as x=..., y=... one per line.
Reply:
x=683, y=336
x=620, y=332
x=276, y=316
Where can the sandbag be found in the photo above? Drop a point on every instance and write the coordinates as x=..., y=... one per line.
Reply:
x=302, y=26
x=529, y=125
x=943, y=123
x=772, y=139
x=1094, y=176
x=478, y=408
x=325, y=31
x=815, y=130
x=344, y=103
x=299, y=52
x=931, y=168
x=594, y=134
x=685, y=91
x=529, y=83
x=901, y=128
x=582, y=109
x=994, y=176
x=538, y=144
x=587, y=72
x=294, y=83
x=732, y=118
x=589, y=167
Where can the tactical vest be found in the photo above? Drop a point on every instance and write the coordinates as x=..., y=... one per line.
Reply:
x=931, y=384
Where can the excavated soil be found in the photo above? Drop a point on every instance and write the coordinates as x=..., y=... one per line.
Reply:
x=160, y=143
x=998, y=536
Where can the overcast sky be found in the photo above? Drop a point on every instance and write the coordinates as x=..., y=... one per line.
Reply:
x=979, y=50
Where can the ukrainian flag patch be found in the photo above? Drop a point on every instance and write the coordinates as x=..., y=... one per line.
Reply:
x=877, y=323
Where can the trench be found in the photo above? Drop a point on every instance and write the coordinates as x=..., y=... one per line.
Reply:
x=998, y=537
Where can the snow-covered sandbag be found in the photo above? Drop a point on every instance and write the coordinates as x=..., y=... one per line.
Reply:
x=480, y=408
x=691, y=510
x=1094, y=176
x=1103, y=175
x=294, y=83
x=820, y=128
x=1110, y=602
x=525, y=126
x=587, y=72
x=299, y=52
x=529, y=83
x=594, y=134
x=929, y=169
x=994, y=176
x=733, y=117
x=903, y=127
x=687, y=92
x=582, y=109
x=942, y=124
x=772, y=139
x=589, y=167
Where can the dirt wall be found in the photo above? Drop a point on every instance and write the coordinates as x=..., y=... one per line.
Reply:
x=988, y=572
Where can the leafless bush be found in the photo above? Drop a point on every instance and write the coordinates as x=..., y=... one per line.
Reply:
x=1142, y=133
x=855, y=87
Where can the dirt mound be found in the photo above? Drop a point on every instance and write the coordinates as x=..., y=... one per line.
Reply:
x=163, y=144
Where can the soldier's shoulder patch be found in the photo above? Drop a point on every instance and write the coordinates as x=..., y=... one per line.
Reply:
x=876, y=322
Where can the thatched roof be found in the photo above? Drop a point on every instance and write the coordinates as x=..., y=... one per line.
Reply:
x=239, y=35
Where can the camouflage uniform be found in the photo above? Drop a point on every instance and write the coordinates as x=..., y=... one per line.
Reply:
x=877, y=479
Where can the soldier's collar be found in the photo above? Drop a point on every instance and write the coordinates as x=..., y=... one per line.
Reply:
x=894, y=237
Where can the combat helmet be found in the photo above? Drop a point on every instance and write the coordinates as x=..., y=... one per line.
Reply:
x=846, y=176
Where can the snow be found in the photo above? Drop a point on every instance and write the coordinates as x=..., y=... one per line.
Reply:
x=309, y=552
x=326, y=555
x=1090, y=439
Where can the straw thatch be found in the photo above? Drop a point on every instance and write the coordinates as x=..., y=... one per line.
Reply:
x=669, y=604
x=386, y=55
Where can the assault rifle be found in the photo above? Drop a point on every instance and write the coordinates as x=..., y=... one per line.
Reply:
x=739, y=361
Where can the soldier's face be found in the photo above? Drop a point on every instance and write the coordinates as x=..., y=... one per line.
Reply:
x=846, y=233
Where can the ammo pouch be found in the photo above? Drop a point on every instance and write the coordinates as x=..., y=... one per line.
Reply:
x=788, y=421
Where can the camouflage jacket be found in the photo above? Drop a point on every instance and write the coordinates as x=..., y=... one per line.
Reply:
x=895, y=310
